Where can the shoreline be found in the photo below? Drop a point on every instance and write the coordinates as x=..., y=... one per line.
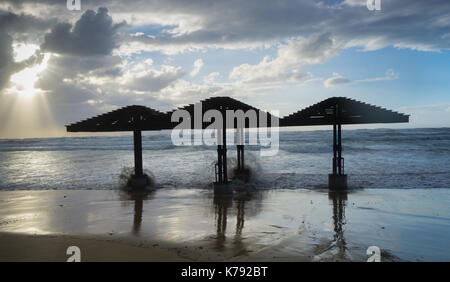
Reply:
x=194, y=225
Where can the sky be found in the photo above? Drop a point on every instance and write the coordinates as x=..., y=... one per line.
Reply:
x=58, y=66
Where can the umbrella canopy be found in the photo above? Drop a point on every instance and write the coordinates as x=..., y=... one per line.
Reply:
x=128, y=118
x=341, y=110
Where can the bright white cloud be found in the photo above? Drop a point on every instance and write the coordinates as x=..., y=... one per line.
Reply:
x=211, y=78
x=198, y=64
x=286, y=67
x=336, y=79
x=153, y=80
x=24, y=51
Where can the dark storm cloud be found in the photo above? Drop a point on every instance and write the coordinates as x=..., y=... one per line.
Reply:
x=234, y=23
x=412, y=24
x=415, y=24
x=7, y=64
x=11, y=22
x=93, y=34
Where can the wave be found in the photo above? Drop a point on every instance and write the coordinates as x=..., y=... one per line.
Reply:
x=380, y=158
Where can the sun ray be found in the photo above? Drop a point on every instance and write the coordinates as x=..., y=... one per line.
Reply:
x=23, y=81
x=29, y=112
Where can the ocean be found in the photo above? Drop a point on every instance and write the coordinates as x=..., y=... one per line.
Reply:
x=374, y=158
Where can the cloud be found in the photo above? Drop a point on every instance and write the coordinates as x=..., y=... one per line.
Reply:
x=336, y=79
x=414, y=24
x=312, y=50
x=23, y=23
x=14, y=27
x=260, y=23
x=105, y=81
x=198, y=64
x=68, y=79
x=154, y=80
x=286, y=67
x=211, y=78
x=93, y=34
x=390, y=75
x=7, y=64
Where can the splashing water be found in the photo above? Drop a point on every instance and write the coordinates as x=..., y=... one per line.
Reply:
x=127, y=174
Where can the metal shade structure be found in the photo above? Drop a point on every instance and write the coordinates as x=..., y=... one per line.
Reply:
x=334, y=111
x=341, y=110
x=337, y=111
x=223, y=104
x=138, y=118
x=130, y=118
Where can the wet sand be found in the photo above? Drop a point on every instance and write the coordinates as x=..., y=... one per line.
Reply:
x=196, y=225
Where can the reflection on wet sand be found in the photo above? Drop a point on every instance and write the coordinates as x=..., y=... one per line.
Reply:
x=138, y=197
x=223, y=205
x=137, y=221
x=240, y=218
x=339, y=201
x=252, y=225
x=241, y=200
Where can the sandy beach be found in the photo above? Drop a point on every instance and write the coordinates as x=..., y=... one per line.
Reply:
x=194, y=225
